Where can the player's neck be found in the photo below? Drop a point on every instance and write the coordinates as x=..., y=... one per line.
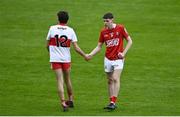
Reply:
x=63, y=24
x=111, y=26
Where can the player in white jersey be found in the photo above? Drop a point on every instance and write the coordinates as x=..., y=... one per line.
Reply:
x=112, y=35
x=59, y=39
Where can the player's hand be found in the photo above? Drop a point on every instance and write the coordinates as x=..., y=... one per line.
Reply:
x=120, y=55
x=88, y=57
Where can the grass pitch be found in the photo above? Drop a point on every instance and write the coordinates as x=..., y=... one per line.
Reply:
x=150, y=80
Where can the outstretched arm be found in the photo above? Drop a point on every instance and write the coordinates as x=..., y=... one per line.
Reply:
x=95, y=50
x=78, y=49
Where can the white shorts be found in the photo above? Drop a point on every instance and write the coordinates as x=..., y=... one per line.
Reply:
x=111, y=65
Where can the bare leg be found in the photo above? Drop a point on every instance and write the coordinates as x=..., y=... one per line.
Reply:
x=110, y=83
x=116, y=79
x=60, y=82
x=68, y=84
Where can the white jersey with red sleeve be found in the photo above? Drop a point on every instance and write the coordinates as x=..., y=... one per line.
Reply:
x=60, y=38
x=113, y=38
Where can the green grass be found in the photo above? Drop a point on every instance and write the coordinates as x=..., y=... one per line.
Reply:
x=149, y=83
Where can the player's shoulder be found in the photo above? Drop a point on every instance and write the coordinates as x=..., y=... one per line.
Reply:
x=70, y=28
x=104, y=29
x=53, y=27
x=120, y=25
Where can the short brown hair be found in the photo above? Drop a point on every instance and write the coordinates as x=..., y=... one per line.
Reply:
x=108, y=16
x=63, y=16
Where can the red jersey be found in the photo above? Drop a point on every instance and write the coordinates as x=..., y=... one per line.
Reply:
x=113, y=39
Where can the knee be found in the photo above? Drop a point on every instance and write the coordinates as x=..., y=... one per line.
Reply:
x=110, y=81
x=61, y=91
x=116, y=80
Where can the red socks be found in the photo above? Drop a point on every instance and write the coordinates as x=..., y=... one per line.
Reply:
x=113, y=99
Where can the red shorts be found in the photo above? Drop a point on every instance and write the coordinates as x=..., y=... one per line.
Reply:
x=58, y=65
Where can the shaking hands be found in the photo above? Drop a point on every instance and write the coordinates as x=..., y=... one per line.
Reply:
x=88, y=57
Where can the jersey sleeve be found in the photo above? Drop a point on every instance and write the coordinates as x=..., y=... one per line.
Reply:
x=74, y=37
x=124, y=32
x=49, y=34
x=101, y=38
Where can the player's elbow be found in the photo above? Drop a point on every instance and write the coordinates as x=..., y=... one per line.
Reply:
x=76, y=49
x=98, y=49
x=130, y=41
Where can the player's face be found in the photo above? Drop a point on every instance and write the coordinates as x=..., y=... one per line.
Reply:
x=108, y=22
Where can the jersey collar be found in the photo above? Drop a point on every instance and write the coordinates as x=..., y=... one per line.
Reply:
x=114, y=25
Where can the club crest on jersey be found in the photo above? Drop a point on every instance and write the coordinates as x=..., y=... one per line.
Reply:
x=106, y=36
x=111, y=34
x=117, y=33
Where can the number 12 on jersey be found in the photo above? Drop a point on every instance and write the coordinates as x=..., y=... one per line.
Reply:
x=62, y=41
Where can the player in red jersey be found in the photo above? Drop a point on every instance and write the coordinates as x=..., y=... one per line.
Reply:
x=112, y=35
x=59, y=39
